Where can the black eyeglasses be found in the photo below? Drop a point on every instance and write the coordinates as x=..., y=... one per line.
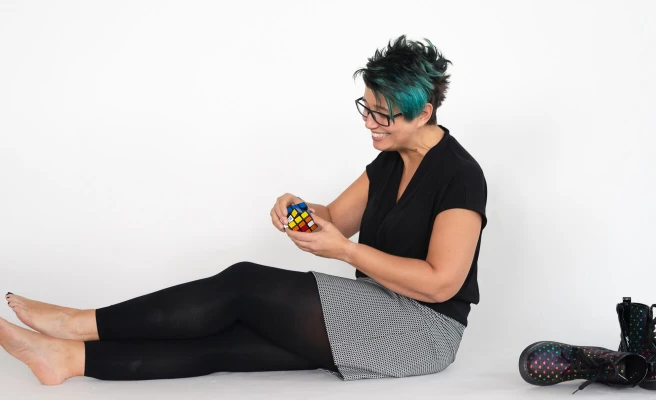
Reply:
x=380, y=118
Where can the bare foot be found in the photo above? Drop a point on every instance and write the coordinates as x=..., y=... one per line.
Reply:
x=51, y=360
x=52, y=320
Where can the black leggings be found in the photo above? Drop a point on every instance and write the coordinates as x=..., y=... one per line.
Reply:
x=248, y=317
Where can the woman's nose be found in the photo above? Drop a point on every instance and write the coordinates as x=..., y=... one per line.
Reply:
x=369, y=122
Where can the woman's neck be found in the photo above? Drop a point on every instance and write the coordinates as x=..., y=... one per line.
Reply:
x=425, y=138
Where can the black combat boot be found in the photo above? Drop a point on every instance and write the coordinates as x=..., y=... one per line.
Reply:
x=637, y=324
x=549, y=363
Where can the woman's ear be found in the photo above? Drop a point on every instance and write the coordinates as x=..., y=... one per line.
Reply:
x=425, y=114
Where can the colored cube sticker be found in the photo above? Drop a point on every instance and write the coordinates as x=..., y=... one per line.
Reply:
x=299, y=218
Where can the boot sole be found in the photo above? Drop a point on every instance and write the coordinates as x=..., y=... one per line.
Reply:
x=523, y=370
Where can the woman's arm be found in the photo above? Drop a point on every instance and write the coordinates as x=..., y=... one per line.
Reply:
x=320, y=210
x=450, y=254
x=345, y=212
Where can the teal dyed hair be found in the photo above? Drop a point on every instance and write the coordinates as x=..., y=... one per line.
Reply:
x=408, y=74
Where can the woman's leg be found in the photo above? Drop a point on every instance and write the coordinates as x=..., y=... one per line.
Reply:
x=182, y=323
x=281, y=305
x=236, y=349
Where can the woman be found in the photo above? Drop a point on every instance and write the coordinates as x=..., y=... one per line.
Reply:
x=420, y=209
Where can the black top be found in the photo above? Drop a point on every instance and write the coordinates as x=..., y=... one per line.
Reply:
x=447, y=177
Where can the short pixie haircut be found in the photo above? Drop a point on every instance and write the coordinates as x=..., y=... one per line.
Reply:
x=408, y=74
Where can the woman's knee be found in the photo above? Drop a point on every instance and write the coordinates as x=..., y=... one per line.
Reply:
x=248, y=276
x=241, y=270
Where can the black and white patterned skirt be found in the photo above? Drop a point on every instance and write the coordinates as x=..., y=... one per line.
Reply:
x=377, y=333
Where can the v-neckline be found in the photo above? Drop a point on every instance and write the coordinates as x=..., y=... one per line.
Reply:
x=398, y=187
x=417, y=175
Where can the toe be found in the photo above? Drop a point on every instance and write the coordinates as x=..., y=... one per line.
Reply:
x=19, y=310
x=17, y=299
x=13, y=303
x=12, y=297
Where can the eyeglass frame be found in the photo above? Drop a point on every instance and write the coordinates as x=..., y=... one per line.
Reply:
x=388, y=117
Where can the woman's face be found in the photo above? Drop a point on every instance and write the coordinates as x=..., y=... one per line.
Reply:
x=386, y=138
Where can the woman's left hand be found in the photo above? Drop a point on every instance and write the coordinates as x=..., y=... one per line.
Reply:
x=327, y=241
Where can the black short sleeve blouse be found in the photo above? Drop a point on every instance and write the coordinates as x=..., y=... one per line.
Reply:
x=447, y=177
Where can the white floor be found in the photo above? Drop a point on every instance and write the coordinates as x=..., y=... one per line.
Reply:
x=465, y=379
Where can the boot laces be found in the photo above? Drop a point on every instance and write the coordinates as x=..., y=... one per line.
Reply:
x=584, y=364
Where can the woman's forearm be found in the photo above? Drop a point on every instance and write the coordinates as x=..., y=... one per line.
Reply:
x=322, y=211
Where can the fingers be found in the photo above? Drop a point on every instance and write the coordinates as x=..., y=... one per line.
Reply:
x=321, y=223
x=276, y=220
x=279, y=211
x=305, y=246
x=283, y=201
x=300, y=237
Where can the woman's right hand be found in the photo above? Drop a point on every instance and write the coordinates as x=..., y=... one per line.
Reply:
x=279, y=210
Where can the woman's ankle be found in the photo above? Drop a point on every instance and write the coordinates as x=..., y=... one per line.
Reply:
x=83, y=325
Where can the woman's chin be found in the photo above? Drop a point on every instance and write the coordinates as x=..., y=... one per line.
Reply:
x=381, y=144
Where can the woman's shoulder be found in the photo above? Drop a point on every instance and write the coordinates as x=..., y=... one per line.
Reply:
x=382, y=161
x=461, y=163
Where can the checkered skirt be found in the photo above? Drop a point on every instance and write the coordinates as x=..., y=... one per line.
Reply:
x=377, y=333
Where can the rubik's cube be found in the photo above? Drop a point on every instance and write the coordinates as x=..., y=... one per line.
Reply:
x=299, y=218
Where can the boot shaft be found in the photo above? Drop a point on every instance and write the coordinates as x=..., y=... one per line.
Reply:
x=637, y=328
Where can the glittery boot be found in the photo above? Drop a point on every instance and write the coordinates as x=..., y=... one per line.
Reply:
x=549, y=363
x=637, y=325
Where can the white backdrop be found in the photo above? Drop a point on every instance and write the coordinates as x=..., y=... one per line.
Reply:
x=143, y=143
